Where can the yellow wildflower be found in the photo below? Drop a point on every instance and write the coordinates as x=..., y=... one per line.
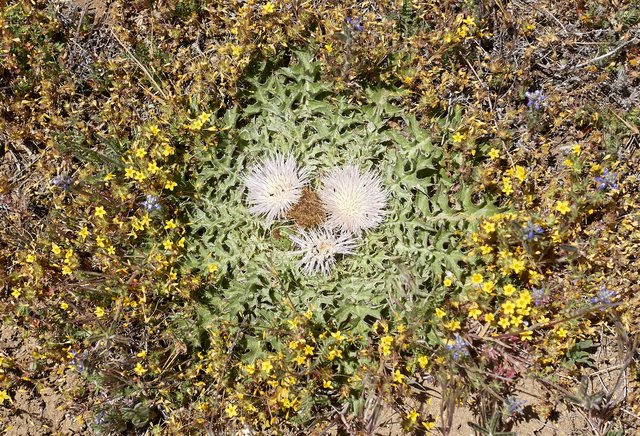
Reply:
x=385, y=345
x=458, y=137
x=563, y=207
x=517, y=266
x=524, y=299
x=476, y=279
x=99, y=212
x=429, y=425
x=413, y=416
x=338, y=336
x=488, y=287
x=398, y=377
x=508, y=290
x=4, y=397
x=453, y=325
x=504, y=323
x=486, y=249
x=99, y=312
x=507, y=186
x=152, y=167
x=516, y=320
x=334, y=353
x=423, y=361
x=562, y=333
x=475, y=313
x=489, y=227
x=494, y=153
x=139, y=369
x=139, y=176
x=268, y=8
x=508, y=308
x=526, y=336
x=266, y=366
x=83, y=233
x=56, y=249
x=231, y=410
x=576, y=149
x=168, y=150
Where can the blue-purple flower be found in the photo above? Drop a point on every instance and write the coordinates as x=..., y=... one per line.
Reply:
x=459, y=347
x=354, y=23
x=151, y=203
x=533, y=230
x=538, y=295
x=607, y=180
x=78, y=360
x=604, y=296
x=515, y=406
x=535, y=99
x=62, y=182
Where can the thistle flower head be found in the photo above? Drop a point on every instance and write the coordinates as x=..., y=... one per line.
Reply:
x=274, y=186
x=319, y=248
x=354, y=201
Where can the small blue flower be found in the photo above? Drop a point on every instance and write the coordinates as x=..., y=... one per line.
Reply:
x=533, y=230
x=538, y=295
x=459, y=348
x=355, y=24
x=515, y=406
x=62, y=182
x=535, y=99
x=151, y=203
x=603, y=297
x=99, y=418
x=78, y=361
x=607, y=180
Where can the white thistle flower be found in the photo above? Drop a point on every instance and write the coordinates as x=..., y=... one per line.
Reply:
x=319, y=248
x=274, y=186
x=354, y=201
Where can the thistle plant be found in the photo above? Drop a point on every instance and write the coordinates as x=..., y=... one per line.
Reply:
x=354, y=201
x=274, y=186
x=383, y=184
x=319, y=248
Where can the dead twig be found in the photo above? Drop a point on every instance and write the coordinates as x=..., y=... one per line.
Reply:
x=142, y=67
x=606, y=55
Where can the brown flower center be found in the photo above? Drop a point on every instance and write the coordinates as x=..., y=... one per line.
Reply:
x=308, y=211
